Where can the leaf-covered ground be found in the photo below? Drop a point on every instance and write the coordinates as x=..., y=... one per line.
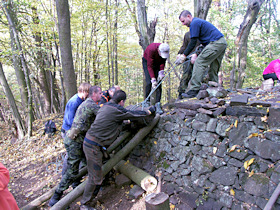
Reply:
x=35, y=167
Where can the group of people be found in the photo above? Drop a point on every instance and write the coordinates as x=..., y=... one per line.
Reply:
x=201, y=33
x=92, y=121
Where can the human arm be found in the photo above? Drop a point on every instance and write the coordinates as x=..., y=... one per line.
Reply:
x=190, y=46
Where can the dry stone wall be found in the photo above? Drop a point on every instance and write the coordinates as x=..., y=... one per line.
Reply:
x=210, y=161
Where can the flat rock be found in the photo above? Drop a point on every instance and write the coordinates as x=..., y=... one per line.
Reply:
x=188, y=199
x=239, y=100
x=202, y=94
x=224, y=175
x=245, y=110
x=260, y=103
x=136, y=192
x=273, y=118
x=205, y=111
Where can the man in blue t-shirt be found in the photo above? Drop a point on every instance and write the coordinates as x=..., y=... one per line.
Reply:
x=213, y=53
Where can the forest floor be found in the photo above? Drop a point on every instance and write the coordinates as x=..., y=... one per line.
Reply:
x=35, y=166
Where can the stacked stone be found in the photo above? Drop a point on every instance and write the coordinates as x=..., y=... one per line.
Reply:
x=203, y=155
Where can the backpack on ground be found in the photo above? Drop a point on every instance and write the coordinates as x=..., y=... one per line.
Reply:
x=50, y=127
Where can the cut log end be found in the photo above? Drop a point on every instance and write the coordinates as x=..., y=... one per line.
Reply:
x=157, y=201
x=149, y=183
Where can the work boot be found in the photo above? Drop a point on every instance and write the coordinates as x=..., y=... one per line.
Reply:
x=190, y=94
x=55, y=198
x=158, y=108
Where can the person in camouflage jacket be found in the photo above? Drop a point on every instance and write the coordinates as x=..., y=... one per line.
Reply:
x=73, y=141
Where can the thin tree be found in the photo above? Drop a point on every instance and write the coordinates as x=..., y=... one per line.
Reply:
x=19, y=122
x=240, y=62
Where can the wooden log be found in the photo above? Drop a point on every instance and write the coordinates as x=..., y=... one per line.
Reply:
x=38, y=201
x=74, y=194
x=157, y=201
x=140, y=177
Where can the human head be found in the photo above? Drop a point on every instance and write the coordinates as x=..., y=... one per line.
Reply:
x=163, y=50
x=95, y=93
x=83, y=90
x=119, y=97
x=186, y=18
x=113, y=89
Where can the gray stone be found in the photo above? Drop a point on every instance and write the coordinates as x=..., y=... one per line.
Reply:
x=211, y=125
x=224, y=175
x=219, y=111
x=265, y=149
x=217, y=92
x=275, y=177
x=180, y=152
x=259, y=123
x=225, y=199
x=168, y=127
x=185, y=131
x=186, y=180
x=221, y=149
x=235, y=162
x=202, y=165
x=257, y=185
x=173, y=200
x=273, y=137
x=136, y=192
x=202, y=117
x=195, y=149
x=239, y=100
x=209, y=186
x=245, y=197
x=198, y=125
x=240, y=155
x=245, y=110
x=204, y=111
x=273, y=118
x=168, y=178
x=222, y=126
x=216, y=161
x=188, y=198
x=261, y=202
x=260, y=103
x=185, y=172
x=210, y=204
x=169, y=188
x=239, y=134
x=202, y=94
x=174, y=165
x=193, y=105
x=206, y=138
x=183, y=206
x=122, y=180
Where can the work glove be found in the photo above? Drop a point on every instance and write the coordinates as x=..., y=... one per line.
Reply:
x=180, y=59
x=154, y=82
x=193, y=58
x=160, y=75
x=152, y=109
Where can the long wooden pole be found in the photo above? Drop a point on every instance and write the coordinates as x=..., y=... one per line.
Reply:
x=38, y=201
x=77, y=192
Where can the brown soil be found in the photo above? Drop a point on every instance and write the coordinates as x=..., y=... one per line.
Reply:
x=35, y=167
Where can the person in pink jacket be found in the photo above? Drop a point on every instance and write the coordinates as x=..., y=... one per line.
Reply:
x=272, y=71
x=7, y=200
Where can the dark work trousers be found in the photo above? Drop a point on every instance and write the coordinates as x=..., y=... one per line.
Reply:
x=149, y=83
x=94, y=165
x=268, y=76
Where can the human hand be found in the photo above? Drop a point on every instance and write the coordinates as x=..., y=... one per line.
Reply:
x=180, y=59
x=160, y=75
x=154, y=82
x=193, y=58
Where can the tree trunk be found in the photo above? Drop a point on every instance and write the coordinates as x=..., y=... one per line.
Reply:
x=16, y=60
x=201, y=8
x=63, y=17
x=116, y=43
x=242, y=39
x=107, y=43
x=24, y=67
x=140, y=177
x=11, y=99
x=74, y=194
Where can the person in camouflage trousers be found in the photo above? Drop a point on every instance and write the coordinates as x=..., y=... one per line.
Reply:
x=74, y=138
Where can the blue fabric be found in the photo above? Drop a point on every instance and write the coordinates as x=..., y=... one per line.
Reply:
x=70, y=110
x=204, y=31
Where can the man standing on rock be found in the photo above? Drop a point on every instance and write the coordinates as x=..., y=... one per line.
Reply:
x=213, y=53
x=102, y=133
x=153, y=61
x=73, y=141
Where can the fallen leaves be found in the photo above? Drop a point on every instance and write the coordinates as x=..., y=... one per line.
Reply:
x=248, y=163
